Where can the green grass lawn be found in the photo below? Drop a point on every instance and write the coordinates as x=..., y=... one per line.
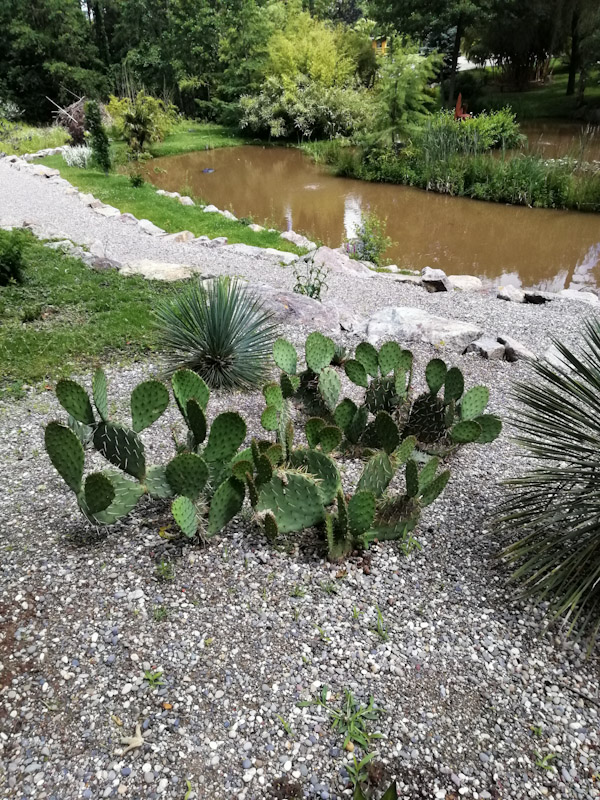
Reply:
x=77, y=318
x=539, y=101
x=116, y=190
x=17, y=138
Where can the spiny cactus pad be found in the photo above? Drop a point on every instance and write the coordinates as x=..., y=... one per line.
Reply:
x=312, y=430
x=381, y=395
x=122, y=447
x=156, y=482
x=490, y=426
x=187, y=475
x=329, y=387
x=294, y=501
x=454, y=385
x=264, y=470
x=406, y=360
x=187, y=385
x=357, y=426
x=330, y=437
x=66, y=454
x=427, y=419
x=344, y=413
x=99, y=492
x=361, y=512
x=149, y=401
x=196, y=420
x=401, y=382
x=289, y=384
x=270, y=526
x=100, y=393
x=474, y=402
x=273, y=395
x=322, y=468
x=412, y=478
x=227, y=501
x=356, y=373
x=427, y=474
x=367, y=355
x=285, y=356
x=433, y=490
x=127, y=493
x=275, y=454
x=387, y=432
x=241, y=468
x=227, y=433
x=389, y=357
x=270, y=418
x=466, y=431
x=376, y=475
x=74, y=399
x=435, y=374
x=405, y=450
x=184, y=514
x=319, y=351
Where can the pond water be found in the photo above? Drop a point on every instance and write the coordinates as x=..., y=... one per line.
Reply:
x=284, y=189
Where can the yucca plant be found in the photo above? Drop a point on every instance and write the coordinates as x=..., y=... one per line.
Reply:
x=221, y=331
x=555, y=507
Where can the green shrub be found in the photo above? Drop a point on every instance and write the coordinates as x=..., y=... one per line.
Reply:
x=221, y=331
x=554, y=509
x=312, y=281
x=370, y=241
x=442, y=136
x=12, y=244
x=98, y=137
x=141, y=120
x=136, y=180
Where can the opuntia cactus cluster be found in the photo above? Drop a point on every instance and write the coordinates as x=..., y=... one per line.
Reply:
x=194, y=475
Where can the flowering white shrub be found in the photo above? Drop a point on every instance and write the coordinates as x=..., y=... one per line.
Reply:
x=77, y=156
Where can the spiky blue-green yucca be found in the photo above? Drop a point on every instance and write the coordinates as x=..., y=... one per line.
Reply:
x=220, y=331
x=555, y=507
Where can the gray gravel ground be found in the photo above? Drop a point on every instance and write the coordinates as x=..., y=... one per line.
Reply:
x=475, y=692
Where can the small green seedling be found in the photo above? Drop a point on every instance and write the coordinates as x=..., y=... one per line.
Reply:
x=154, y=678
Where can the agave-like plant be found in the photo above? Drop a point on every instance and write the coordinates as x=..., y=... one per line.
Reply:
x=555, y=507
x=220, y=330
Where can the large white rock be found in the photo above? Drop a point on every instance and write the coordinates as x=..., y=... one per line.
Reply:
x=186, y=201
x=181, y=236
x=107, y=211
x=150, y=227
x=406, y=324
x=297, y=309
x=45, y=172
x=336, y=261
x=157, y=270
x=466, y=283
x=514, y=350
x=583, y=297
x=210, y=209
x=487, y=347
x=298, y=240
x=511, y=293
x=256, y=228
x=228, y=215
x=435, y=280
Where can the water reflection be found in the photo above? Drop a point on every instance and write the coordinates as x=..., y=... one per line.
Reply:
x=284, y=189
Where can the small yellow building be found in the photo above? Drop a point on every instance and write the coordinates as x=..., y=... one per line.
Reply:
x=379, y=44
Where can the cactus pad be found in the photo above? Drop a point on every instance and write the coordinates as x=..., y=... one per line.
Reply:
x=454, y=385
x=66, y=454
x=270, y=418
x=435, y=374
x=433, y=489
x=187, y=385
x=122, y=447
x=490, y=426
x=187, y=475
x=412, y=478
x=127, y=493
x=322, y=469
x=227, y=501
x=381, y=395
x=99, y=492
x=264, y=470
x=289, y=384
x=405, y=451
x=330, y=437
x=227, y=433
x=294, y=501
x=389, y=357
x=376, y=475
x=406, y=360
x=273, y=395
x=319, y=351
x=357, y=426
x=329, y=387
x=344, y=413
x=184, y=514
x=100, y=393
x=466, y=431
x=285, y=356
x=356, y=373
x=275, y=454
x=386, y=431
x=474, y=402
x=241, y=469
x=149, y=401
x=427, y=474
x=312, y=430
x=196, y=420
x=401, y=383
x=74, y=399
x=270, y=526
x=427, y=420
x=361, y=512
x=156, y=482
x=367, y=355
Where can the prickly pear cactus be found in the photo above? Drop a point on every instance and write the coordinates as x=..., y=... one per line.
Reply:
x=294, y=500
x=187, y=475
x=227, y=433
x=226, y=502
x=149, y=401
x=319, y=350
x=122, y=447
x=381, y=395
x=66, y=454
x=285, y=356
x=185, y=515
x=75, y=400
x=427, y=419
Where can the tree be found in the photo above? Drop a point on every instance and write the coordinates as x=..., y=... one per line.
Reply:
x=46, y=50
x=98, y=136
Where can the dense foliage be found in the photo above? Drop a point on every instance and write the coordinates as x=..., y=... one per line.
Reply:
x=98, y=138
x=11, y=257
x=554, y=509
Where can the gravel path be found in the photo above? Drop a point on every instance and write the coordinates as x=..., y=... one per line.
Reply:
x=477, y=696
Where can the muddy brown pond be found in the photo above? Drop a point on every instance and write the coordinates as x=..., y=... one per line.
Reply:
x=283, y=188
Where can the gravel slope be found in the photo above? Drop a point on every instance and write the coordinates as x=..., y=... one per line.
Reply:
x=475, y=691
